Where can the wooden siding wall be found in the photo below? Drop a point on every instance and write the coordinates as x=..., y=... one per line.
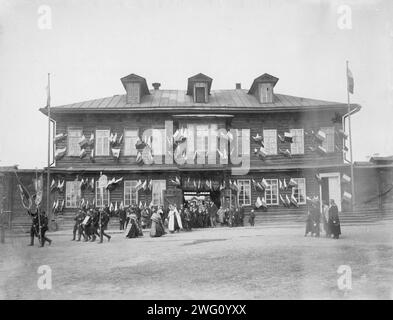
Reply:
x=371, y=188
x=280, y=121
x=283, y=123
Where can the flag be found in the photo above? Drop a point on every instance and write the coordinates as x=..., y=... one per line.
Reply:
x=60, y=137
x=292, y=182
x=59, y=153
x=25, y=197
x=294, y=201
x=82, y=153
x=350, y=82
x=288, y=137
x=258, y=203
x=82, y=141
x=39, y=188
x=92, y=155
x=116, y=153
x=91, y=140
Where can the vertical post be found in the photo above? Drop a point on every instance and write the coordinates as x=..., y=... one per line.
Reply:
x=38, y=210
x=350, y=145
x=49, y=215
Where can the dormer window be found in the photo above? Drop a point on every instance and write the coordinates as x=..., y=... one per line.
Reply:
x=266, y=92
x=199, y=88
x=262, y=88
x=200, y=93
x=136, y=88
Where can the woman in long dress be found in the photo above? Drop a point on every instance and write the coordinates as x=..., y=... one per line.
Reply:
x=157, y=226
x=174, y=223
x=133, y=229
x=334, y=220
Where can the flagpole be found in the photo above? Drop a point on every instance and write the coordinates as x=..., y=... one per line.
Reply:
x=48, y=159
x=38, y=210
x=350, y=145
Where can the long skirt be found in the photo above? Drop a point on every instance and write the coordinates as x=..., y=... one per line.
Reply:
x=134, y=231
x=335, y=228
x=157, y=229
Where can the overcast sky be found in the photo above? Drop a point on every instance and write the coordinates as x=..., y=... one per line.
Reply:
x=92, y=44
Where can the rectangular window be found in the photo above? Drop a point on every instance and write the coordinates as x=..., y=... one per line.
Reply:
x=73, y=194
x=102, y=196
x=200, y=94
x=270, y=141
x=130, y=192
x=244, y=193
x=328, y=143
x=130, y=139
x=157, y=193
x=299, y=191
x=102, y=142
x=239, y=142
x=202, y=138
x=271, y=192
x=73, y=137
x=158, y=143
x=297, y=146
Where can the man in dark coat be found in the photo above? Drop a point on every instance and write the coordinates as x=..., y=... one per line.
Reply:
x=104, y=225
x=241, y=216
x=251, y=218
x=334, y=220
x=44, y=228
x=34, y=229
x=77, y=226
x=122, y=218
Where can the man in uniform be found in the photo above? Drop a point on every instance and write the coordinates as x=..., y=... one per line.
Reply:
x=241, y=216
x=122, y=218
x=44, y=228
x=104, y=220
x=34, y=229
x=77, y=226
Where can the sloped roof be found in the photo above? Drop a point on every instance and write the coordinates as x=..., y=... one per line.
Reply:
x=265, y=78
x=199, y=77
x=135, y=78
x=236, y=100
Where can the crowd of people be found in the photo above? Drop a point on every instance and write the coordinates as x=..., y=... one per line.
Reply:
x=191, y=214
x=329, y=217
x=91, y=225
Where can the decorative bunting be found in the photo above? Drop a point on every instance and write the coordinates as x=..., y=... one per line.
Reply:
x=288, y=137
x=82, y=141
x=294, y=201
x=82, y=153
x=59, y=137
x=320, y=135
x=91, y=140
x=59, y=153
x=292, y=183
x=116, y=153
x=285, y=152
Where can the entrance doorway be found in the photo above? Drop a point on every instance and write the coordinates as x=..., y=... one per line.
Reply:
x=202, y=195
x=330, y=188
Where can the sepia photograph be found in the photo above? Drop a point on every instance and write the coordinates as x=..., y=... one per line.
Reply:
x=214, y=152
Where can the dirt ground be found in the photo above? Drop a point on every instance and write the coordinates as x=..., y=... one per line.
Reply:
x=222, y=263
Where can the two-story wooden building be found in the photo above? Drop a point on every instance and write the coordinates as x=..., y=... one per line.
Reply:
x=251, y=147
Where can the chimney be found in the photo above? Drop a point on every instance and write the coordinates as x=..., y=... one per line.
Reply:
x=238, y=85
x=156, y=85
